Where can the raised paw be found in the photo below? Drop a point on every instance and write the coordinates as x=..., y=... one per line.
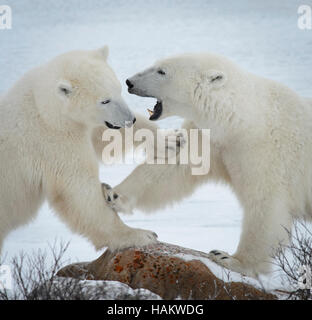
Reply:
x=229, y=262
x=175, y=139
x=170, y=144
x=117, y=202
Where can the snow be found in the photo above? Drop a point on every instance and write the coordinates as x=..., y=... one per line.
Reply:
x=261, y=36
x=112, y=290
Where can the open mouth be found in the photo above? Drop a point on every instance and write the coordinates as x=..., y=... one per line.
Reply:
x=109, y=125
x=156, y=112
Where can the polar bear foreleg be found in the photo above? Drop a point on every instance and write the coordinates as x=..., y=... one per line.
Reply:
x=266, y=226
x=150, y=187
x=82, y=206
x=154, y=186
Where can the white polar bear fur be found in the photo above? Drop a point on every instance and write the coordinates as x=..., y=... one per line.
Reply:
x=260, y=145
x=47, y=120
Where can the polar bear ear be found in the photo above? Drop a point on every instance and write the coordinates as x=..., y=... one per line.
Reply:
x=216, y=79
x=103, y=52
x=64, y=88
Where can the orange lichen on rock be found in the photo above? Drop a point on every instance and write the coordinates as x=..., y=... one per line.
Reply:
x=161, y=269
x=118, y=268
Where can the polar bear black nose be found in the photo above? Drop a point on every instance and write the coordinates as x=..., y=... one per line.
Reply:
x=129, y=84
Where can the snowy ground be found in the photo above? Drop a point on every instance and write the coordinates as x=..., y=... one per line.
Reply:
x=262, y=36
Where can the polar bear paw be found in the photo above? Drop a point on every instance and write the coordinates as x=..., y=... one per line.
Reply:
x=176, y=139
x=115, y=201
x=141, y=237
x=229, y=262
x=134, y=238
x=170, y=144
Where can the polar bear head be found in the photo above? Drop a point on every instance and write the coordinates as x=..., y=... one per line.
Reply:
x=184, y=84
x=80, y=86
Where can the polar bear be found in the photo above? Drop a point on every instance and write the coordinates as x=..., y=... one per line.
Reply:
x=260, y=145
x=52, y=122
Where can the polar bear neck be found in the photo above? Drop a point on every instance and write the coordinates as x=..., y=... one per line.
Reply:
x=227, y=113
x=22, y=96
x=218, y=115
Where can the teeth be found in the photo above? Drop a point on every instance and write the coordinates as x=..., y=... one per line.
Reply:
x=150, y=112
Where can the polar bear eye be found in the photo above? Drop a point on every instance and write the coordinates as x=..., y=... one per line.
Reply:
x=65, y=91
x=105, y=101
x=64, y=88
x=219, y=77
x=162, y=72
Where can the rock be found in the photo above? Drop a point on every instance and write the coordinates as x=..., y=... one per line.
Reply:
x=170, y=271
